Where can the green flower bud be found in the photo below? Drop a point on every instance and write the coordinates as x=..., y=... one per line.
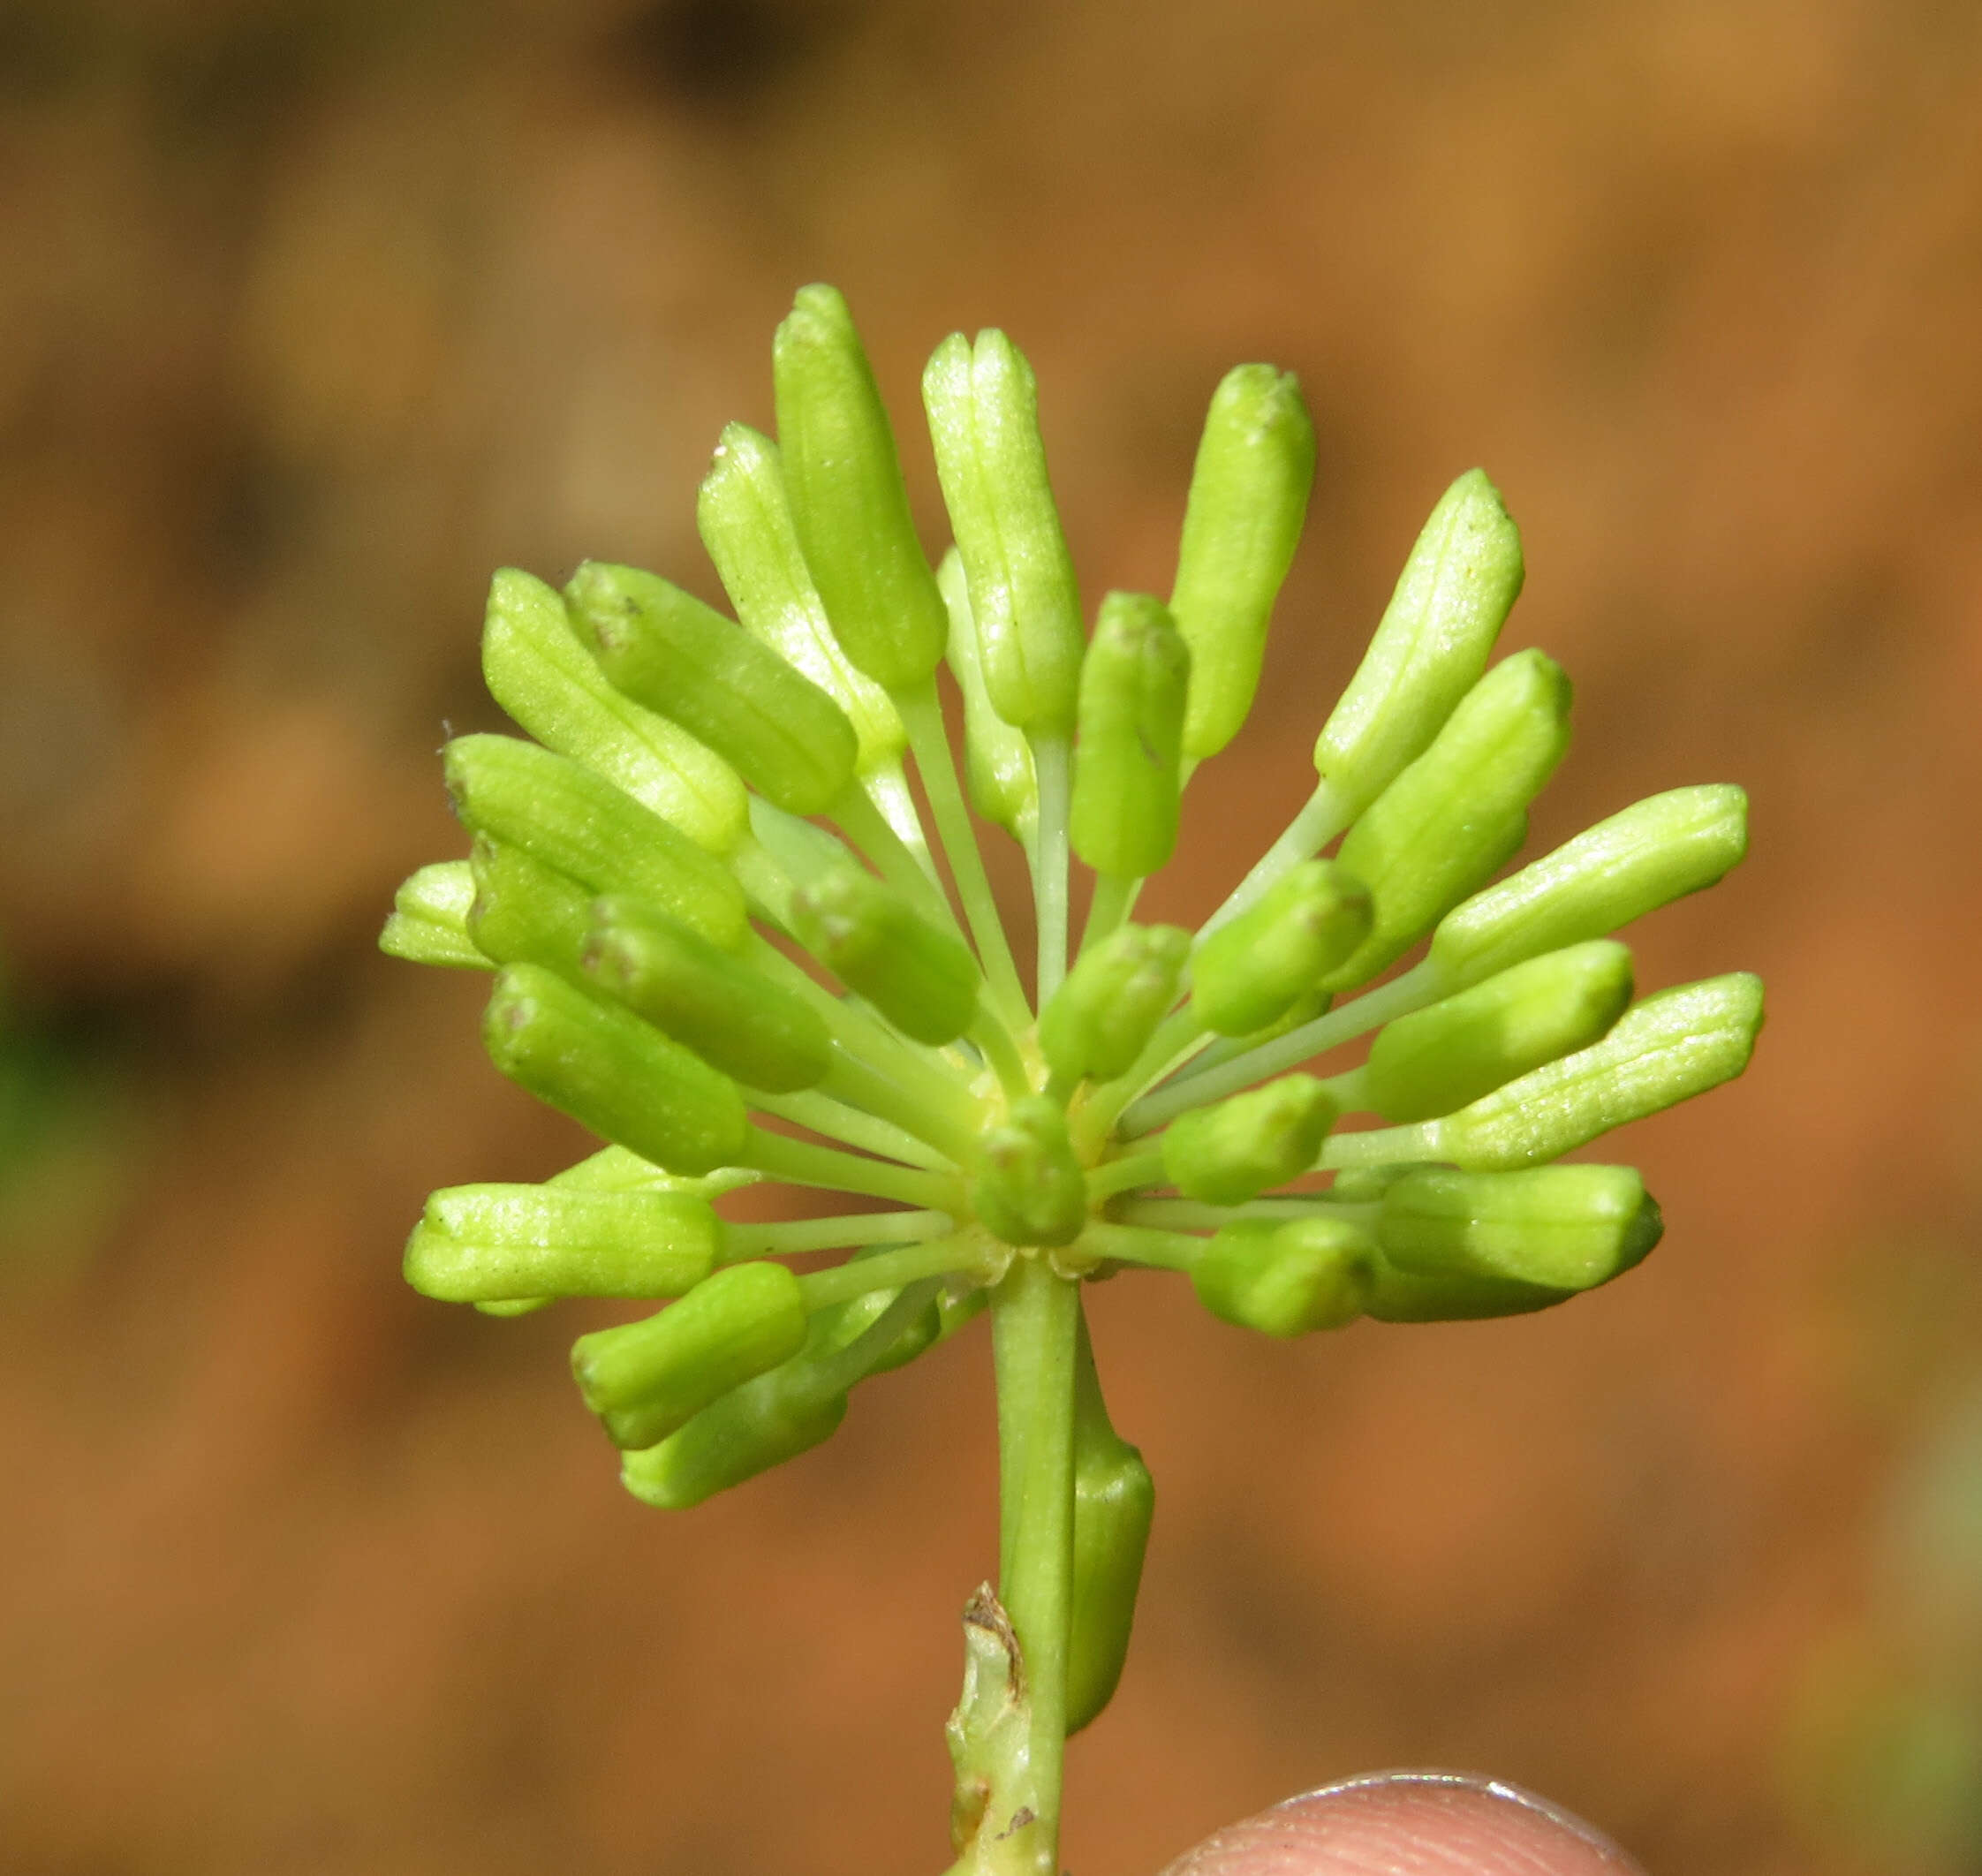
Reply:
x=1655, y=851
x=1287, y=1278
x=481, y=1243
x=751, y=1429
x=1436, y=1060
x=925, y=981
x=429, y=920
x=1232, y=1151
x=1115, y=1499
x=666, y=649
x=1095, y=1024
x=1253, y=969
x=611, y=1072
x=579, y=824
x=538, y=670
x=1030, y=1189
x=646, y=1379
x=1566, y=1228
x=745, y=522
x=983, y=409
x=526, y=912
x=732, y=1016
x=997, y=759
x=1123, y=817
x=1400, y=1297
x=1453, y=818
x=849, y=504
x=1248, y=498
x=1671, y=1047
x=1457, y=589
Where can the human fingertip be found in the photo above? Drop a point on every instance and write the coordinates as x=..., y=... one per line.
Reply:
x=1429, y=1823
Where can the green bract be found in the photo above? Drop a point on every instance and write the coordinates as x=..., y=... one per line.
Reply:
x=696, y=969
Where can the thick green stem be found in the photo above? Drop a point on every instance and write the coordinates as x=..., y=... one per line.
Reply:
x=1034, y=1326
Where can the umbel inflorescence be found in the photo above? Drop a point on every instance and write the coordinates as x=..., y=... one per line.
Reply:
x=710, y=899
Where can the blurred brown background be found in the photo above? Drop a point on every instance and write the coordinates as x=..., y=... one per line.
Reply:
x=313, y=313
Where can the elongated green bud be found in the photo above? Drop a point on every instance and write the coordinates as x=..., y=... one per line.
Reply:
x=1248, y=498
x=997, y=759
x=1439, y=1059
x=1253, y=969
x=1655, y=851
x=1029, y=1188
x=1232, y=1151
x=666, y=649
x=1671, y=1047
x=611, y=1072
x=646, y=1379
x=849, y=504
x=1457, y=589
x=1287, y=1278
x=745, y=522
x=429, y=920
x=1563, y=1227
x=1108, y=1007
x=751, y=1429
x=923, y=980
x=562, y=815
x=538, y=670
x=527, y=913
x=983, y=409
x=482, y=1243
x=1115, y=1499
x=1453, y=818
x=732, y=1016
x=1123, y=817
x=1398, y=1296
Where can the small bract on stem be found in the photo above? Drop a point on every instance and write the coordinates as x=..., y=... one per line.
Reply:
x=702, y=796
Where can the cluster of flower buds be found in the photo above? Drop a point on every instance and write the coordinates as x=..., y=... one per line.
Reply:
x=712, y=904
